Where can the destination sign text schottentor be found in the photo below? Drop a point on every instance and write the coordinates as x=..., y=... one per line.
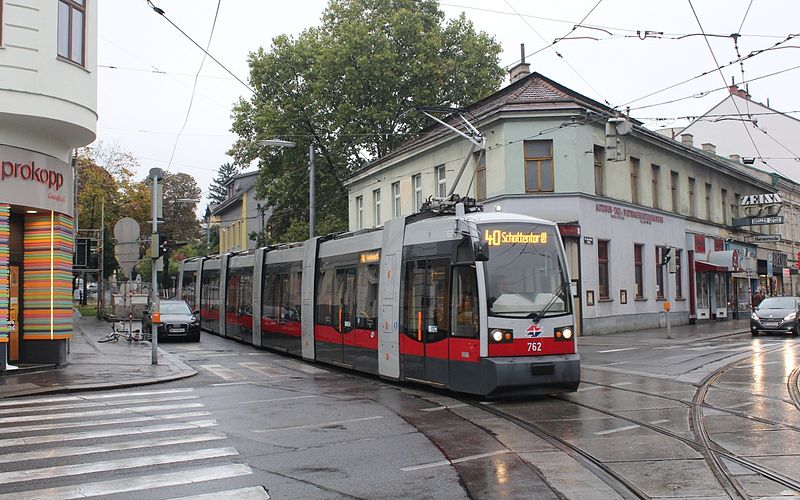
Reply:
x=497, y=237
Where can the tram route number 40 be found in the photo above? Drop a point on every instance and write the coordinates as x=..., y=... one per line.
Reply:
x=534, y=347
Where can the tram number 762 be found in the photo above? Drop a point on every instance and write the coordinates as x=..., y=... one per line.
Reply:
x=534, y=347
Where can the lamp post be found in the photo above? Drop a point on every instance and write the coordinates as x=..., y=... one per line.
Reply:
x=208, y=230
x=156, y=174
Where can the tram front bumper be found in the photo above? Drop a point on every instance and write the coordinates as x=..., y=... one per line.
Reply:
x=530, y=375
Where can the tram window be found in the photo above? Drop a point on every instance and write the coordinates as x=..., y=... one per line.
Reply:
x=465, y=302
x=342, y=310
x=232, y=293
x=426, y=311
x=367, y=296
x=295, y=296
x=268, y=297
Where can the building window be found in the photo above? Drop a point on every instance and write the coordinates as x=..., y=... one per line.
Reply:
x=441, y=181
x=660, y=252
x=674, y=188
x=72, y=30
x=602, y=269
x=692, y=202
x=634, y=180
x=416, y=181
x=724, y=195
x=735, y=205
x=637, y=270
x=538, y=166
x=376, y=207
x=655, y=172
x=480, y=174
x=678, y=280
x=396, y=199
x=708, y=202
x=359, y=212
x=599, y=162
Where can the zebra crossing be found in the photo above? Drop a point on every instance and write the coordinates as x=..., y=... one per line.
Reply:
x=100, y=444
x=244, y=371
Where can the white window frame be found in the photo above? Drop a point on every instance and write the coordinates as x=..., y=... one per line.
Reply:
x=396, y=199
x=441, y=181
x=359, y=212
x=376, y=207
x=416, y=181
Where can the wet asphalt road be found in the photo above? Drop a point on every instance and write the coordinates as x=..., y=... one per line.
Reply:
x=256, y=423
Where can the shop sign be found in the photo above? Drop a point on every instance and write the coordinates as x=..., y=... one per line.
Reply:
x=621, y=213
x=767, y=237
x=779, y=259
x=35, y=180
x=750, y=200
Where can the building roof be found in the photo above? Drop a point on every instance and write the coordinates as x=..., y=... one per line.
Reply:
x=247, y=182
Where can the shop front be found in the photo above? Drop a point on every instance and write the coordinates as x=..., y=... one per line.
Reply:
x=713, y=266
x=36, y=247
x=744, y=279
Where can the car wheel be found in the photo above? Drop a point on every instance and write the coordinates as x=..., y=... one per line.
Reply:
x=196, y=338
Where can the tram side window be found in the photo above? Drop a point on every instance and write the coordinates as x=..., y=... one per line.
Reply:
x=367, y=296
x=465, y=302
x=325, y=297
x=342, y=310
x=268, y=297
x=245, y=303
x=232, y=293
x=295, y=294
x=426, y=310
x=275, y=296
x=189, y=280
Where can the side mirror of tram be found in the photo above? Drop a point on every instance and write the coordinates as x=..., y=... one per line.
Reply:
x=480, y=250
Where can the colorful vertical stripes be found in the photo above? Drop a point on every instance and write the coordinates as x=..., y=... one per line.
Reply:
x=47, y=277
x=5, y=213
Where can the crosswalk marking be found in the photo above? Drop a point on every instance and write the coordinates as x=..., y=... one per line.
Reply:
x=95, y=404
x=94, y=423
x=77, y=436
x=99, y=396
x=71, y=451
x=264, y=370
x=251, y=493
x=107, y=411
x=104, y=488
x=125, y=463
x=223, y=372
x=296, y=365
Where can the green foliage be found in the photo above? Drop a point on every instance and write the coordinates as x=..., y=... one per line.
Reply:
x=348, y=88
x=217, y=192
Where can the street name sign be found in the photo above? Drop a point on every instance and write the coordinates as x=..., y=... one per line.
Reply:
x=756, y=221
x=767, y=237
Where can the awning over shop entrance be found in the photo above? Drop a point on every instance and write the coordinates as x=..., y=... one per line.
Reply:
x=702, y=266
x=719, y=261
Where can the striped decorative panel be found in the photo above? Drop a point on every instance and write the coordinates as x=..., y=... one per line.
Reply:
x=5, y=213
x=48, y=276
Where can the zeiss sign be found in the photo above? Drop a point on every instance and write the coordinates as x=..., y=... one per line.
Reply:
x=750, y=200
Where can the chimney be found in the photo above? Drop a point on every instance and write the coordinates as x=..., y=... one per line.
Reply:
x=522, y=69
x=707, y=146
x=736, y=158
x=687, y=140
x=734, y=90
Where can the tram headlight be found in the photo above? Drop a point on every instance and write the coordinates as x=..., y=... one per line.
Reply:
x=498, y=336
x=564, y=333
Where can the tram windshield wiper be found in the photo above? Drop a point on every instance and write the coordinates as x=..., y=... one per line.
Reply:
x=538, y=315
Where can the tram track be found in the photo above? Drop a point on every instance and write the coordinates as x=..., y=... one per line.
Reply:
x=714, y=454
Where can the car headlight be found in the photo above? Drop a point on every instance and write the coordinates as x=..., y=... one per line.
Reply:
x=754, y=317
x=195, y=319
x=790, y=316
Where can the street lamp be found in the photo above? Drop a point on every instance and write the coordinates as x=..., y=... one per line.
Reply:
x=312, y=206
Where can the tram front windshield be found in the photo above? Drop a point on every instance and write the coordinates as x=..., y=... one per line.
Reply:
x=525, y=275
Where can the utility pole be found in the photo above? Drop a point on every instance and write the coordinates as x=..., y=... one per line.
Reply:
x=312, y=203
x=208, y=230
x=156, y=174
x=101, y=259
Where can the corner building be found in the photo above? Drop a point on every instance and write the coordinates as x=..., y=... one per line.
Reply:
x=48, y=107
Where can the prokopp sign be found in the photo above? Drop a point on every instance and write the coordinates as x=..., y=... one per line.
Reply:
x=35, y=180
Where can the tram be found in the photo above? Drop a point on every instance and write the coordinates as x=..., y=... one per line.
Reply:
x=474, y=302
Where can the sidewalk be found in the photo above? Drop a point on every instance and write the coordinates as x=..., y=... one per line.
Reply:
x=94, y=366
x=113, y=365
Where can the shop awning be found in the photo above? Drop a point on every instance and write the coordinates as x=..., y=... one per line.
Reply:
x=702, y=266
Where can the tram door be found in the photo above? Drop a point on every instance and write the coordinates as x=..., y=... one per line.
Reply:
x=344, y=288
x=427, y=320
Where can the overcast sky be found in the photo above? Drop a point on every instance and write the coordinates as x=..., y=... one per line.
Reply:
x=147, y=67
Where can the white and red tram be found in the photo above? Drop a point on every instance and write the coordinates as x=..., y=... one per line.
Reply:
x=477, y=303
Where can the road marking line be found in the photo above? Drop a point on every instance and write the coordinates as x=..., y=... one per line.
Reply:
x=617, y=363
x=277, y=399
x=94, y=423
x=682, y=356
x=591, y=388
x=704, y=348
x=618, y=350
x=661, y=421
x=113, y=465
x=324, y=424
x=77, y=436
x=94, y=404
x=264, y=370
x=74, y=451
x=668, y=347
x=303, y=368
x=250, y=493
x=223, y=372
x=225, y=384
x=105, y=488
x=440, y=408
x=750, y=403
x=107, y=411
x=617, y=384
x=617, y=429
x=454, y=461
x=59, y=399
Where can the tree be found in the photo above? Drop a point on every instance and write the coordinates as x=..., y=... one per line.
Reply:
x=180, y=217
x=346, y=88
x=217, y=191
